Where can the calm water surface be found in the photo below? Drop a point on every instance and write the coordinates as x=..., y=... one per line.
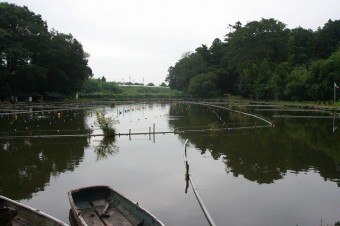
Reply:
x=285, y=175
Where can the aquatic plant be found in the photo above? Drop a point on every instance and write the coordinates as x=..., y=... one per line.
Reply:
x=112, y=104
x=106, y=123
x=213, y=127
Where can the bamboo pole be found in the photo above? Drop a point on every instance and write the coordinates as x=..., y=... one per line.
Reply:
x=194, y=188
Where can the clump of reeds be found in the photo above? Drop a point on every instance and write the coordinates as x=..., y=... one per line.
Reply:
x=112, y=104
x=213, y=127
x=106, y=123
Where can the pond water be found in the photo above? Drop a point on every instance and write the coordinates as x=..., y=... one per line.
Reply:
x=288, y=174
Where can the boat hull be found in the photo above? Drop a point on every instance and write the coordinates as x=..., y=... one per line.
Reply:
x=101, y=205
x=15, y=213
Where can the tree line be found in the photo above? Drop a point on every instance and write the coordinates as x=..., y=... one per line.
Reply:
x=263, y=60
x=36, y=60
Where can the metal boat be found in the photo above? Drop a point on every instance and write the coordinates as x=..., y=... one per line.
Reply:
x=13, y=213
x=102, y=206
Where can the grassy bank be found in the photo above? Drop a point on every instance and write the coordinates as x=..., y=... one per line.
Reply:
x=133, y=92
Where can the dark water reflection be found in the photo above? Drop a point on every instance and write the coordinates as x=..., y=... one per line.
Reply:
x=266, y=155
x=238, y=172
x=27, y=165
x=106, y=148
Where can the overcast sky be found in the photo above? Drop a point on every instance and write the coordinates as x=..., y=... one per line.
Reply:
x=132, y=40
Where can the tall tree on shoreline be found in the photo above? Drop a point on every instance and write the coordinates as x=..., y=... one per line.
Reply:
x=32, y=59
x=265, y=60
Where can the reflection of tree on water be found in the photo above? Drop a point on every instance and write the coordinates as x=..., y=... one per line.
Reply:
x=266, y=155
x=334, y=125
x=27, y=165
x=106, y=148
x=191, y=115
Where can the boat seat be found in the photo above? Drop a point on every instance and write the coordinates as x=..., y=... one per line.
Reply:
x=116, y=217
x=113, y=217
x=89, y=215
x=18, y=221
x=91, y=212
x=83, y=205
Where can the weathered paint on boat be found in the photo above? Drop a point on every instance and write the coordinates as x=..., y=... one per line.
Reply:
x=14, y=213
x=102, y=206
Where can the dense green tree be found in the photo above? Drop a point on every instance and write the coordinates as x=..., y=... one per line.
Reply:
x=262, y=88
x=216, y=52
x=277, y=83
x=265, y=60
x=67, y=64
x=20, y=33
x=163, y=84
x=32, y=59
x=296, y=87
x=203, y=85
x=301, y=44
x=256, y=41
x=204, y=52
x=250, y=46
x=327, y=39
x=323, y=74
x=190, y=65
x=227, y=80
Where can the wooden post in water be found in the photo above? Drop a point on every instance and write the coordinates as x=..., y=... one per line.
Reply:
x=335, y=86
x=187, y=176
x=154, y=133
x=149, y=133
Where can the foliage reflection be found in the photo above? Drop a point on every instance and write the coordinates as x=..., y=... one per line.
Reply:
x=264, y=155
x=106, y=148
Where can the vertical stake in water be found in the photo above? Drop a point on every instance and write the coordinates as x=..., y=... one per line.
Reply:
x=334, y=94
x=335, y=86
x=149, y=133
x=154, y=131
